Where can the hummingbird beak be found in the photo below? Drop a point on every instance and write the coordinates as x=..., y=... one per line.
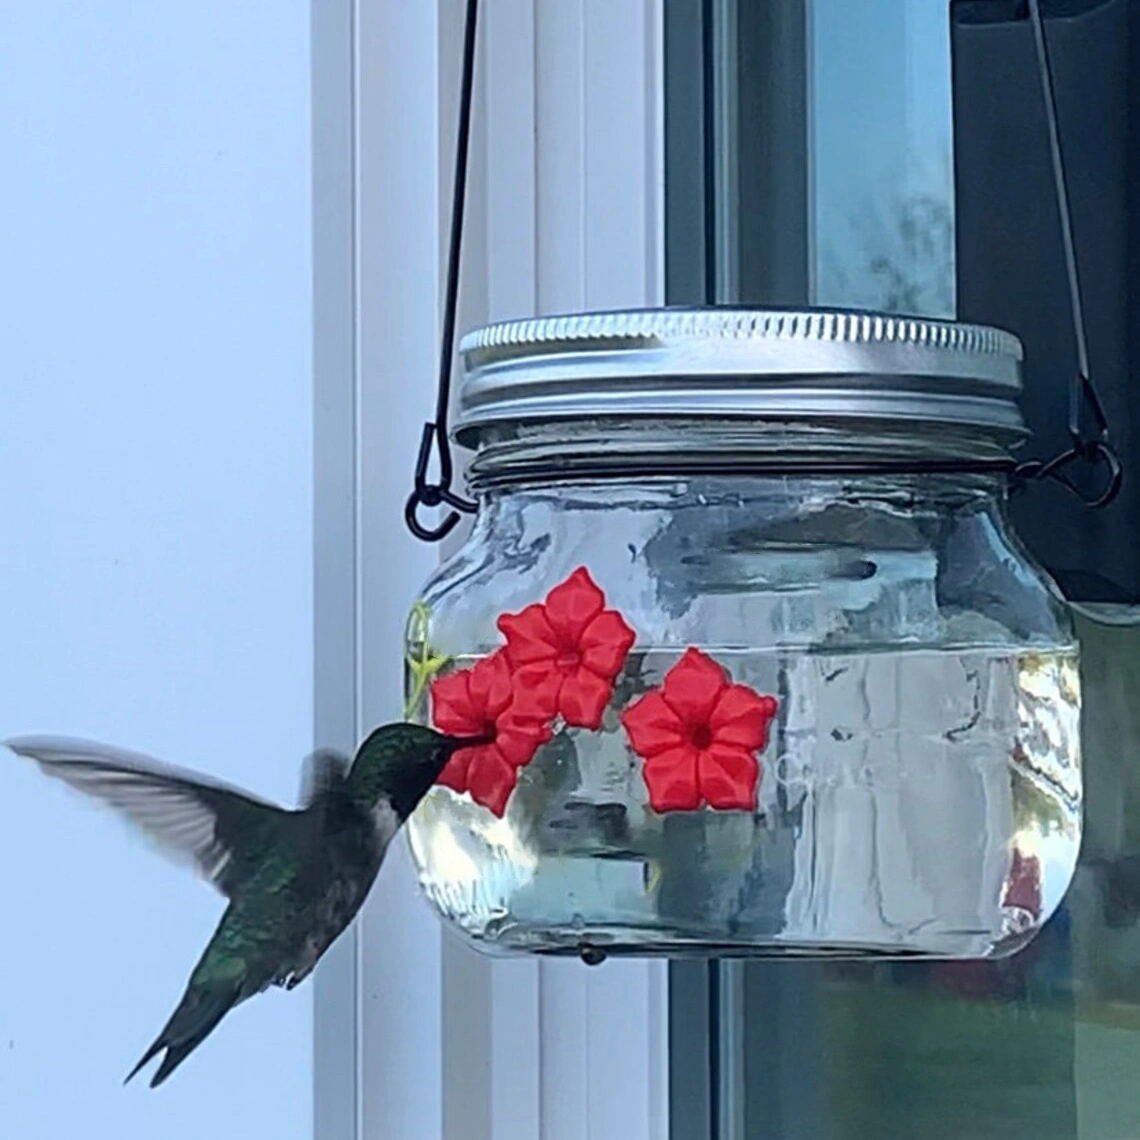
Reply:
x=455, y=743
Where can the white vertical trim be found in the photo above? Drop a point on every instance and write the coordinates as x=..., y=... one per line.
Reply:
x=566, y=1063
x=620, y=102
x=515, y=1039
x=565, y=212
x=510, y=176
x=491, y=1010
x=560, y=114
x=398, y=242
x=600, y=169
x=418, y=1038
x=335, y=986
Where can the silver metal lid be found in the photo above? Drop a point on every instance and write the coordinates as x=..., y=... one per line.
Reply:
x=770, y=365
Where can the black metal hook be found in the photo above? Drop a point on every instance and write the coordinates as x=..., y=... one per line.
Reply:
x=425, y=493
x=1091, y=452
x=433, y=494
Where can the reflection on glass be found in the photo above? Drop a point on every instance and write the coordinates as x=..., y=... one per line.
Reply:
x=882, y=187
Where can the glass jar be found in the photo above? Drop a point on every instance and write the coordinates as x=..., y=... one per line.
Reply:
x=767, y=671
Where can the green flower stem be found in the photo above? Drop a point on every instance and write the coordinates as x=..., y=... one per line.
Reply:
x=424, y=667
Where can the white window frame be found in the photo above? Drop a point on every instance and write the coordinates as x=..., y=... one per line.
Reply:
x=417, y=1036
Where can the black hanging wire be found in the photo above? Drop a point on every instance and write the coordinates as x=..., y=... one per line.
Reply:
x=1086, y=446
x=1089, y=444
x=426, y=493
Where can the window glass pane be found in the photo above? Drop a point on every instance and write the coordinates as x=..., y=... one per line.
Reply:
x=882, y=205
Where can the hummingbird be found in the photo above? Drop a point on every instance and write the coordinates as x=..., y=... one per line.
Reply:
x=294, y=878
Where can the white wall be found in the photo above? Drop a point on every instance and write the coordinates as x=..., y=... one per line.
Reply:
x=156, y=562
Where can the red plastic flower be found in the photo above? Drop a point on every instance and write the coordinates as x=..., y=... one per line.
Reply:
x=567, y=650
x=699, y=735
x=482, y=701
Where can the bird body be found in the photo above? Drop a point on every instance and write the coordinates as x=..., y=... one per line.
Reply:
x=294, y=878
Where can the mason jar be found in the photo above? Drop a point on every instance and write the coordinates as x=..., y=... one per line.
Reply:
x=766, y=669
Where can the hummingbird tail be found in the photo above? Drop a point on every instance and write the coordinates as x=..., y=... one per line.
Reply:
x=199, y=1012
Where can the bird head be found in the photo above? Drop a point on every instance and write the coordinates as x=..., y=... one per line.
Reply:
x=400, y=762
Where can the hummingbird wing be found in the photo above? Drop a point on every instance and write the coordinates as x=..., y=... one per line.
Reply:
x=324, y=771
x=222, y=831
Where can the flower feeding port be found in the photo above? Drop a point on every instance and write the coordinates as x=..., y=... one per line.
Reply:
x=763, y=668
x=698, y=734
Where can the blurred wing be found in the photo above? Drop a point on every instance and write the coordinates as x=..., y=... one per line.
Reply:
x=220, y=830
x=324, y=770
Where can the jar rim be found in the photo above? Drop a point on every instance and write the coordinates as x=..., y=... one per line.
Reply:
x=601, y=451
